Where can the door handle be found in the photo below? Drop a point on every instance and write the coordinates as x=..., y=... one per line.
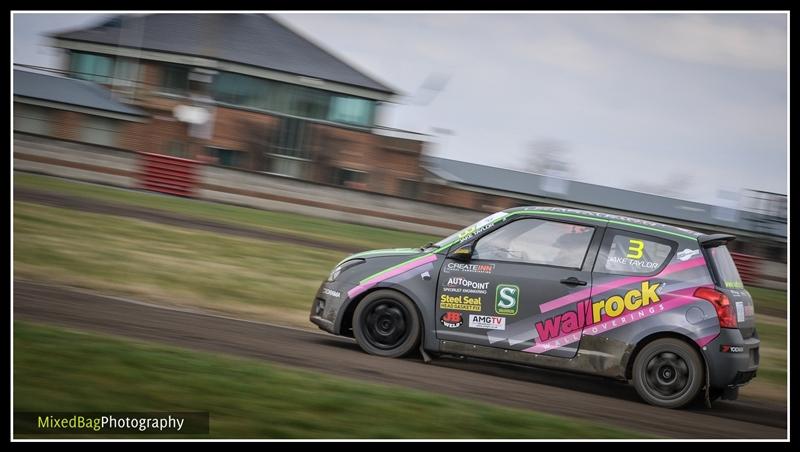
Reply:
x=573, y=281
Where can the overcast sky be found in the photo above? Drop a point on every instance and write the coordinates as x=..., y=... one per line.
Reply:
x=677, y=104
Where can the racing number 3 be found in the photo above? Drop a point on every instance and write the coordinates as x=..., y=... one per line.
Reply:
x=635, y=248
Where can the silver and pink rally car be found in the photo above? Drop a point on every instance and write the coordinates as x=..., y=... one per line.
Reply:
x=656, y=305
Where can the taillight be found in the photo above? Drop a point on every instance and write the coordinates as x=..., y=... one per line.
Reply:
x=727, y=318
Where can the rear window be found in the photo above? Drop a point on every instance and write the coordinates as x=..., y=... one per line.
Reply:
x=627, y=253
x=725, y=267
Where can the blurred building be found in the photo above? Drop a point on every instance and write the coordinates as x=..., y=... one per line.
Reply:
x=245, y=91
x=761, y=230
x=72, y=109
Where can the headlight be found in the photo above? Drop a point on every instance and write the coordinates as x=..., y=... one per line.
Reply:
x=342, y=267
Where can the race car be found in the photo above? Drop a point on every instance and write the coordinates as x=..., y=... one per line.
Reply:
x=658, y=306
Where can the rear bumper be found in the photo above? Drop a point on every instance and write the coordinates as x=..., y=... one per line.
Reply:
x=732, y=360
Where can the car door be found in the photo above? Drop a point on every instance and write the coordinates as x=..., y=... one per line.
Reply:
x=496, y=297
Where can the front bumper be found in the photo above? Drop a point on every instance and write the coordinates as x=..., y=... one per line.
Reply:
x=326, y=306
x=731, y=369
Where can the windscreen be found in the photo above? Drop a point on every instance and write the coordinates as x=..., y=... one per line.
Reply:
x=471, y=229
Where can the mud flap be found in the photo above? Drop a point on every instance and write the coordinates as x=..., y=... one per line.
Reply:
x=425, y=357
x=707, y=389
x=730, y=393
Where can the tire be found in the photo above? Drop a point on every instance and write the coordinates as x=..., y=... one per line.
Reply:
x=668, y=373
x=386, y=323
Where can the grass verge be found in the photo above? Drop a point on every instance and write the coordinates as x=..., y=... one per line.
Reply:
x=60, y=370
x=768, y=301
x=303, y=226
x=253, y=278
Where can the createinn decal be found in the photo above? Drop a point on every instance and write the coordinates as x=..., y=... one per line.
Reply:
x=588, y=313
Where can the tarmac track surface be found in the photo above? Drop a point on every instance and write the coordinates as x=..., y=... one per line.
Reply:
x=547, y=391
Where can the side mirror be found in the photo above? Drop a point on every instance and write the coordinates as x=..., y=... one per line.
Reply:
x=463, y=253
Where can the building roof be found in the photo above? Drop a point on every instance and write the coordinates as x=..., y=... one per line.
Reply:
x=598, y=196
x=69, y=91
x=251, y=39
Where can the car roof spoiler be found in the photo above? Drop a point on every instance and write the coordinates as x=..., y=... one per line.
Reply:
x=712, y=240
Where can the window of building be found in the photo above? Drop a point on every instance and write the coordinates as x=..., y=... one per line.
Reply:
x=290, y=139
x=91, y=66
x=125, y=71
x=175, y=79
x=289, y=99
x=409, y=188
x=99, y=130
x=351, y=178
x=628, y=253
x=33, y=119
x=351, y=110
x=288, y=152
x=226, y=88
x=535, y=241
x=309, y=102
x=244, y=90
x=226, y=157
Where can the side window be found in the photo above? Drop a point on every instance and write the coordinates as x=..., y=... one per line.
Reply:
x=627, y=253
x=535, y=241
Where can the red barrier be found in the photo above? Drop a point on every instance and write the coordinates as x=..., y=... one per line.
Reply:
x=168, y=174
x=748, y=267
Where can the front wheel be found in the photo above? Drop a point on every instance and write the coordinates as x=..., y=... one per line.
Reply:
x=386, y=323
x=668, y=373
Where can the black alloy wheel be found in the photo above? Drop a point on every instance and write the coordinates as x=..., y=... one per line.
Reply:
x=668, y=373
x=386, y=323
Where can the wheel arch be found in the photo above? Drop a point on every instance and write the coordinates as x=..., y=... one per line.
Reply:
x=631, y=357
x=345, y=327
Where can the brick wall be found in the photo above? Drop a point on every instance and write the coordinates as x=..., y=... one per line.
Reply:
x=245, y=131
x=387, y=160
x=67, y=125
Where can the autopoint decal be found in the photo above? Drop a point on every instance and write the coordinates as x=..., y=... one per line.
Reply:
x=458, y=284
x=588, y=313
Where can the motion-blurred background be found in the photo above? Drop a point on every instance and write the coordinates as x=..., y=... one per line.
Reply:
x=278, y=143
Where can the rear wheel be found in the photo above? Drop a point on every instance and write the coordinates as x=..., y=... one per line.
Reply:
x=668, y=373
x=386, y=323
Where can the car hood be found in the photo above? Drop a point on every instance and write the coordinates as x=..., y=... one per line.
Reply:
x=377, y=261
x=389, y=252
